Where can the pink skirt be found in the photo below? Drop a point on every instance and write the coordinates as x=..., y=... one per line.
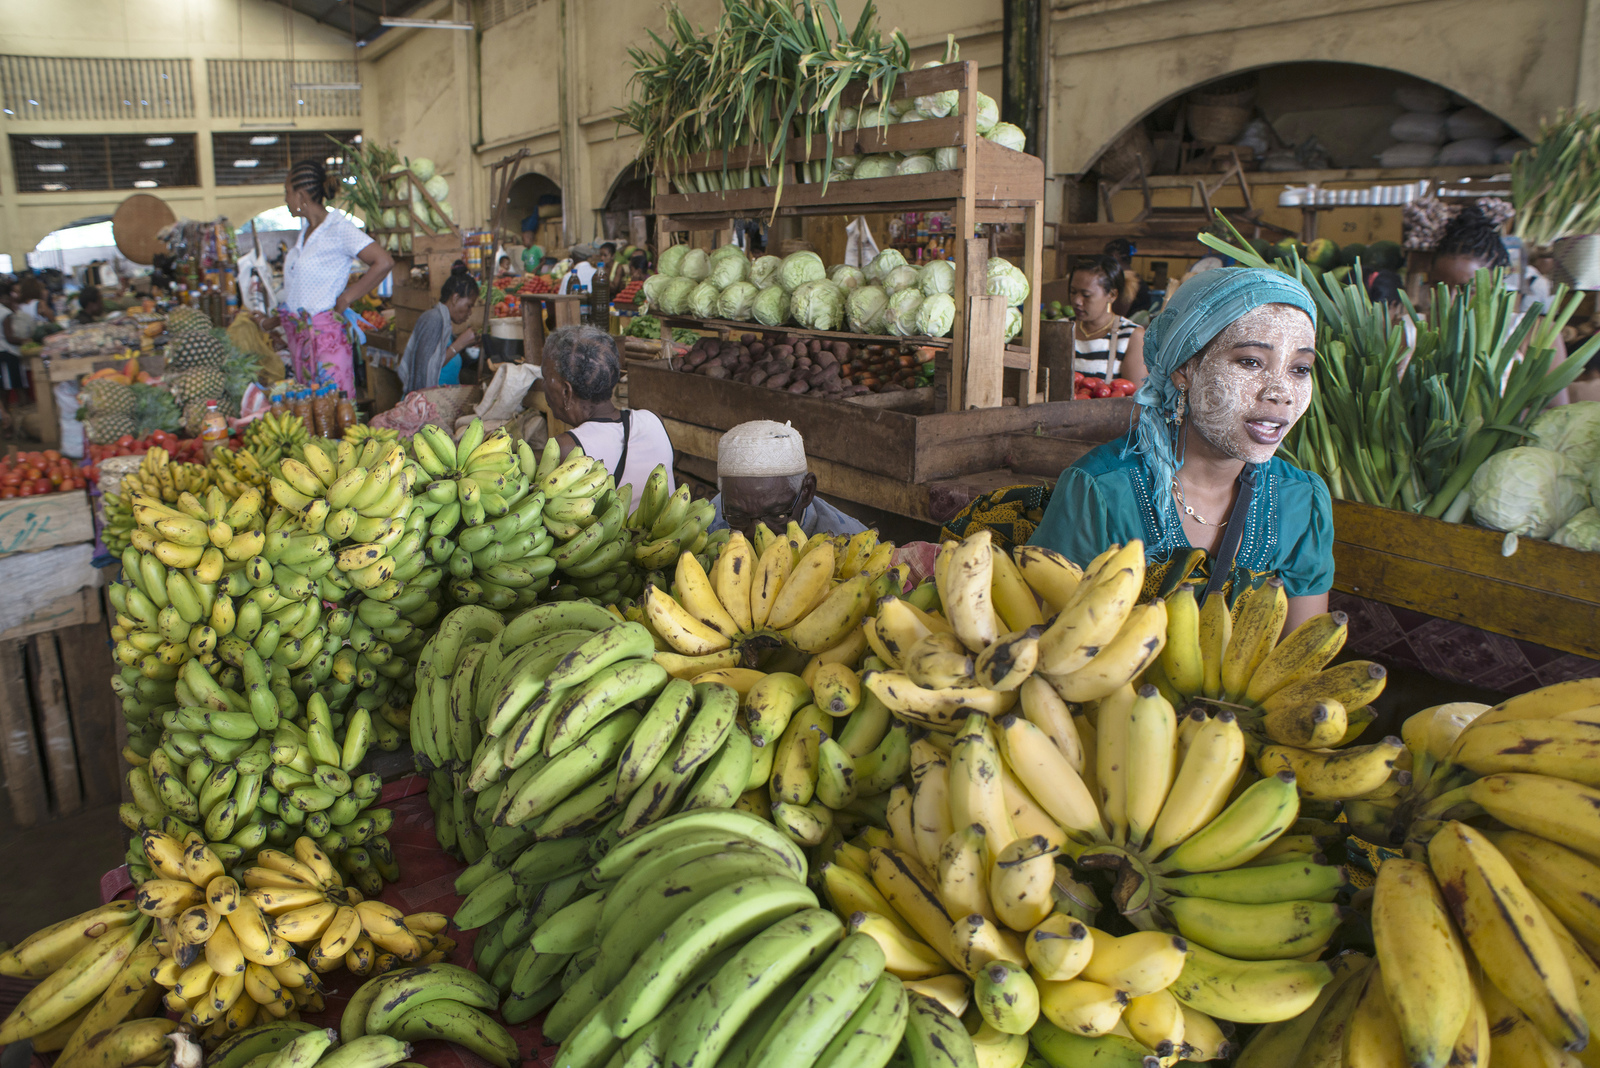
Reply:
x=319, y=349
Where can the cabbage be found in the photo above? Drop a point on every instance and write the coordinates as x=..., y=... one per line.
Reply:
x=944, y=159
x=1013, y=323
x=902, y=314
x=988, y=113
x=1527, y=490
x=422, y=167
x=902, y=106
x=883, y=263
x=671, y=263
x=912, y=116
x=902, y=277
x=938, y=276
x=1006, y=280
x=846, y=277
x=561, y=268
x=696, y=265
x=936, y=315
x=1008, y=136
x=938, y=105
x=876, y=166
x=844, y=166
x=762, y=271
x=736, y=300
x=916, y=165
x=1573, y=429
x=703, y=300
x=771, y=306
x=653, y=287
x=819, y=305
x=675, y=296
x=871, y=117
x=726, y=270
x=1582, y=531
x=437, y=188
x=866, y=307
x=799, y=268
x=846, y=119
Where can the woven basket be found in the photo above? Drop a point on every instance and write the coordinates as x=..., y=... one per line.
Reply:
x=114, y=470
x=1218, y=124
x=1578, y=261
x=1120, y=159
x=452, y=401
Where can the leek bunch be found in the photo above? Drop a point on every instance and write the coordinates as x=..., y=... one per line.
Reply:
x=1555, y=184
x=769, y=70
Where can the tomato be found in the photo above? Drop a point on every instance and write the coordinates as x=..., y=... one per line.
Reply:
x=1083, y=394
x=42, y=485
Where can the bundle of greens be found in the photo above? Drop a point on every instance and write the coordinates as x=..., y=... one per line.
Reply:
x=1555, y=183
x=770, y=69
x=1409, y=433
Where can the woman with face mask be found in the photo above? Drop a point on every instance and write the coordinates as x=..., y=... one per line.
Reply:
x=1230, y=373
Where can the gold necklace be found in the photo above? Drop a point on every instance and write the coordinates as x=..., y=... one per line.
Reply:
x=1100, y=332
x=1177, y=491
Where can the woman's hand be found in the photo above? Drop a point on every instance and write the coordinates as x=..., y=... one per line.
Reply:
x=463, y=339
x=341, y=304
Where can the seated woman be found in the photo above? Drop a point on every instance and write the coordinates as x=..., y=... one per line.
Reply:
x=1230, y=373
x=581, y=369
x=432, y=357
x=1104, y=344
x=91, y=305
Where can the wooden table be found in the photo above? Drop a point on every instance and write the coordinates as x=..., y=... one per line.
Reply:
x=567, y=312
x=68, y=369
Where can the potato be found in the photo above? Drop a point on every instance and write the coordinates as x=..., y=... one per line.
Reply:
x=715, y=370
x=800, y=387
x=757, y=348
x=779, y=380
x=757, y=377
x=841, y=349
x=803, y=362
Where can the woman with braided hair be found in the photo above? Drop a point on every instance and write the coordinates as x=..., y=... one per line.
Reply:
x=317, y=288
x=1471, y=243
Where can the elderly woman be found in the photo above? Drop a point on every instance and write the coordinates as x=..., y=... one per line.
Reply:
x=581, y=369
x=1230, y=373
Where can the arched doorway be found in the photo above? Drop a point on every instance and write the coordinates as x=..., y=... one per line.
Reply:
x=628, y=217
x=534, y=202
x=1310, y=116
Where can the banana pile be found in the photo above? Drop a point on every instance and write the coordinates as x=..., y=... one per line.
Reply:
x=1486, y=932
x=228, y=946
x=93, y=974
x=293, y=1044
x=427, y=1003
x=156, y=477
x=700, y=943
x=665, y=526
x=273, y=436
x=558, y=723
x=235, y=469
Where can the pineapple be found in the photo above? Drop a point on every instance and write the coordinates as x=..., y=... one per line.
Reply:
x=240, y=371
x=183, y=319
x=202, y=383
x=192, y=349
x=194, y=417
x=104, y=429
x=107, y=396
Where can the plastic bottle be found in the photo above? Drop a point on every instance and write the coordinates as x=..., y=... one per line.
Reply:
x=323, y=407
x=300, y=404
x=344, y=415
x=214, y=429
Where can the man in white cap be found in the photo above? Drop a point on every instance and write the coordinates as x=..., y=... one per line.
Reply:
x=763, y=477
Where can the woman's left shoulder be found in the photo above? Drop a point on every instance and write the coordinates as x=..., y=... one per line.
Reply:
x=1298, y=487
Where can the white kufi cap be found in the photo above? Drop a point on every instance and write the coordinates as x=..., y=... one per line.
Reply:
x=760, y=449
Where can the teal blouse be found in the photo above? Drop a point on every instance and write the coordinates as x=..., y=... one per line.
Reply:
x=1106, y=498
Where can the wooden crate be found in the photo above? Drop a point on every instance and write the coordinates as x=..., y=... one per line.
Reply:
x=75, y=609
x=1543, y=593
x=28, y=524
x=59, y=719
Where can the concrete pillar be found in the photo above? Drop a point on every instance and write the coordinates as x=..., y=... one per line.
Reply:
x=1588, y=94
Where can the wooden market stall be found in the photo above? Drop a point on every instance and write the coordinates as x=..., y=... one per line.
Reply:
x=919, y=453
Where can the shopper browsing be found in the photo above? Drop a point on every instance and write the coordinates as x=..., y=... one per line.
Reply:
x=581, y=369
x=763, y=477
x=433, y=356
x=316, y=279
x=1230, y=361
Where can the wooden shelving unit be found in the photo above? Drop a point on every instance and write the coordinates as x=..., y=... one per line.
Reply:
x=989, y=185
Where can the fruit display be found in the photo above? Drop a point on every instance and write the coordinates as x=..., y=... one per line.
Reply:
x=184, y=450
x=31, y=474
x=159, y=478
x=810, y=365
x=1094, y=387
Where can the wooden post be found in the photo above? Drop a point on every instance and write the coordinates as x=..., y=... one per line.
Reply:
x=61, y=756
x=967, y=166
x=1032, y=263
x=19, y=746
x=1021, y=47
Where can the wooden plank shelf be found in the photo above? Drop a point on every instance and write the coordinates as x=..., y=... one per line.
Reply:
x=988, y=185
x=736, y=326
x=1542, y=593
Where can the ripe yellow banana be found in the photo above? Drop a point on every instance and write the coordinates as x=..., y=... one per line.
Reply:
x=1204, y=780
x=733, y=577
x=1257, y=624
x=1428, y=979
x=976, y=792
x=966, y=591
x=803, y=588
x=1050, y=575
x=939, y=709
x=700, y=600
x=1302, y=654
x=1181, y=658
x=1013, y=599
x=681, y=630
x=1122, y=659
x=1097, y=612
x=1216, y=629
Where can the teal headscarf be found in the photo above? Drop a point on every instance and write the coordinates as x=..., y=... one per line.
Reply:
x=1204, y=307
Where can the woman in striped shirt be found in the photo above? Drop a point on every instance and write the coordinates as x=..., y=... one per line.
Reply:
x=1104, y=344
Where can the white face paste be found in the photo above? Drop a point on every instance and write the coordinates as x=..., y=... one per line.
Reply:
x=1244, y=400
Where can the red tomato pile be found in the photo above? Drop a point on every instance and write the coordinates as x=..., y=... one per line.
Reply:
x=1093, y=387
x=30, y=474
x=509, y=307
x=536, y=283
x=629, y=294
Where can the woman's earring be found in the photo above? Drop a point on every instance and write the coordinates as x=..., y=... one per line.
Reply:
x=1182, y=405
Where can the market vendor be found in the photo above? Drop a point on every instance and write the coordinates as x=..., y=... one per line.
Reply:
x=433, y=356
x=763, y=477
x=317, y=287
x=1104, y=344
x=91, y=305
x=581, y=369
x=1230, y=373
x=582, y=270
